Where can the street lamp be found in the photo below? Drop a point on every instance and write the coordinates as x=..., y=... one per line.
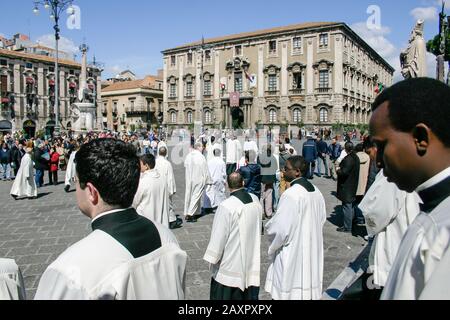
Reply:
x=56, y=7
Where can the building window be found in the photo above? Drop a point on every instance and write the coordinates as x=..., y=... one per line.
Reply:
x=51, y=69
x=208, y=117
x=71, y=72
x=173, y=90
x=189, y=117
x=115, y=106
x=297, y=81
x=189, y=58
x=272, y=47
x=323, y=41
x=207, y=55
x=29, y=65
x=297, y=115
x=131, y=105
x=297, y=44
x=173, y=61
x=3, y=62
x=238, y=50
x=189, y=89
x=323, y=114
x=272, y=82
x=173, y=117
x=238, y=82
x=207, y=87
x=323, y=79
x=272, y=116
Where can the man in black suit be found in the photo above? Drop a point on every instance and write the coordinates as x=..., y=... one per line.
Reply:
x=348, y=175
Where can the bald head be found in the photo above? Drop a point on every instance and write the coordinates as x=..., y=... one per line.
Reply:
x=163, y=151
x=235, y=181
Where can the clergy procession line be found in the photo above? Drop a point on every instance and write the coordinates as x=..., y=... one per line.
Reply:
x=396, y=183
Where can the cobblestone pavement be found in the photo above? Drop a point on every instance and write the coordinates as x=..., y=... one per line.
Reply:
x=36, y=232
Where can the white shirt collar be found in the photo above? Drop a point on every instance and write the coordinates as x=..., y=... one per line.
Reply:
x=107, y=213
x=435, y=180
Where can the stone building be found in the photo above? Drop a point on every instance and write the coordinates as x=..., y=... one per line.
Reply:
x=313, y=74
x=27, y=92
x=132, y=105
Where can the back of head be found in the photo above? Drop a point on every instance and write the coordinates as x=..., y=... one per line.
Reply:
x=287, y=141
x=163, y=151
x=235, y=181
x=251, y=156
x=349, y=147
x=298, y=163
x=415, y=101
x=112, y=167
x=359, y=147
x=149, y=160
x=217, y=152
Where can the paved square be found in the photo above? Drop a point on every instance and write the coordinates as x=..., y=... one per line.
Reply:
x=35, y=232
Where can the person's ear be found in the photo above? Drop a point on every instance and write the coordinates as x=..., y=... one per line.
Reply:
x=421, y=134
x=93, y=194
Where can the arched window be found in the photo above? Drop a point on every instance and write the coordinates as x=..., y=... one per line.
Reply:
x=272, y=116
x=208, y=117
x=189, y=117
x=173, y=117
x=323, y=113
x=296, y=115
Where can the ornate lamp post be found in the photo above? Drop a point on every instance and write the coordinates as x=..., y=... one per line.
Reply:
x=56, y=7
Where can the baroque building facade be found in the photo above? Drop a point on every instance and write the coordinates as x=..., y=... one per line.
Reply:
x=132, y=105
x=311, y=74
x=28, y=91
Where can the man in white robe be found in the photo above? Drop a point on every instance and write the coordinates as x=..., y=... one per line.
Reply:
x=215, y=193
x=414, y=152
x=164, y=167
x=197, y=178
x=388, y=212
x=70, y=171
x=234, y=153
x=24, y=184
x=162, y=144
x=295, y=231
x=152, y=197
x=127, y=256
x=234, y=247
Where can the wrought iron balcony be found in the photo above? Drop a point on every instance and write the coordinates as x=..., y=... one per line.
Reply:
x=323, y=90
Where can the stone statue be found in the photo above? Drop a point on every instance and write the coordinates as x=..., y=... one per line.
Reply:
x=413, y=59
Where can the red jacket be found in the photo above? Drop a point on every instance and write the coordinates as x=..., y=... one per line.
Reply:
x=54, y=161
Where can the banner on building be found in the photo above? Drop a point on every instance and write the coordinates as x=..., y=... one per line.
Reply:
x=235, y=99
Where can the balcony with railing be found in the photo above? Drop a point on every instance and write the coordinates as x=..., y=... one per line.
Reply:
x=297, y=92
x=272, y=93
x=323, y=90
x=138, y=109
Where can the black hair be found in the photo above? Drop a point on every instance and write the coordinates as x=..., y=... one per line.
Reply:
x=112, y=166
x=217, y=152
x=359, y=147
x=349, y=146
x=235, y=181
x=369, y=143
x=149, y=160
x=287, y=140
x=419, y=100
x=213, y=139
x=298, y=163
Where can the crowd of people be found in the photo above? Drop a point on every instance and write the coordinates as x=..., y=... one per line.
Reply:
x=395, y=182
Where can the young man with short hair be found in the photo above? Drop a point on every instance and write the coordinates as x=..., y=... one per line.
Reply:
x=127, y=256
x=410, y=128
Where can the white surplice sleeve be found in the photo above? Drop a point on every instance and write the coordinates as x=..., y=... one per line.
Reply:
x=219, y=236
x=56, y=286
x=280, y=226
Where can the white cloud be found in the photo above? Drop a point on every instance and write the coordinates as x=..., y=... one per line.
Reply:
x=425, y=13
x=65, y=44
x=376, y=38
x=116, y=69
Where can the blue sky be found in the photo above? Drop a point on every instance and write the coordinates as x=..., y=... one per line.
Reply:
x=132, y=34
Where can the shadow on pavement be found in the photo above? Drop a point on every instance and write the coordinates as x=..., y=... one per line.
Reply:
x=42, y=195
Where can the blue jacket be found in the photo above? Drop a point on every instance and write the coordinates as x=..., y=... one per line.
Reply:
x=322, y=148
x=310, y=151
x=252, y=178
x=334, y=150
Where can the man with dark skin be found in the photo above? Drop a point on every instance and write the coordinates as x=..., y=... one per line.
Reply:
x=410, y=128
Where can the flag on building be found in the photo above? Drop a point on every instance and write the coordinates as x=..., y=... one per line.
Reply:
x=379, y=88
x=251, y=78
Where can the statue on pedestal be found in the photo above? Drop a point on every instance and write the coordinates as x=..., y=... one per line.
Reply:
x=413, y=59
